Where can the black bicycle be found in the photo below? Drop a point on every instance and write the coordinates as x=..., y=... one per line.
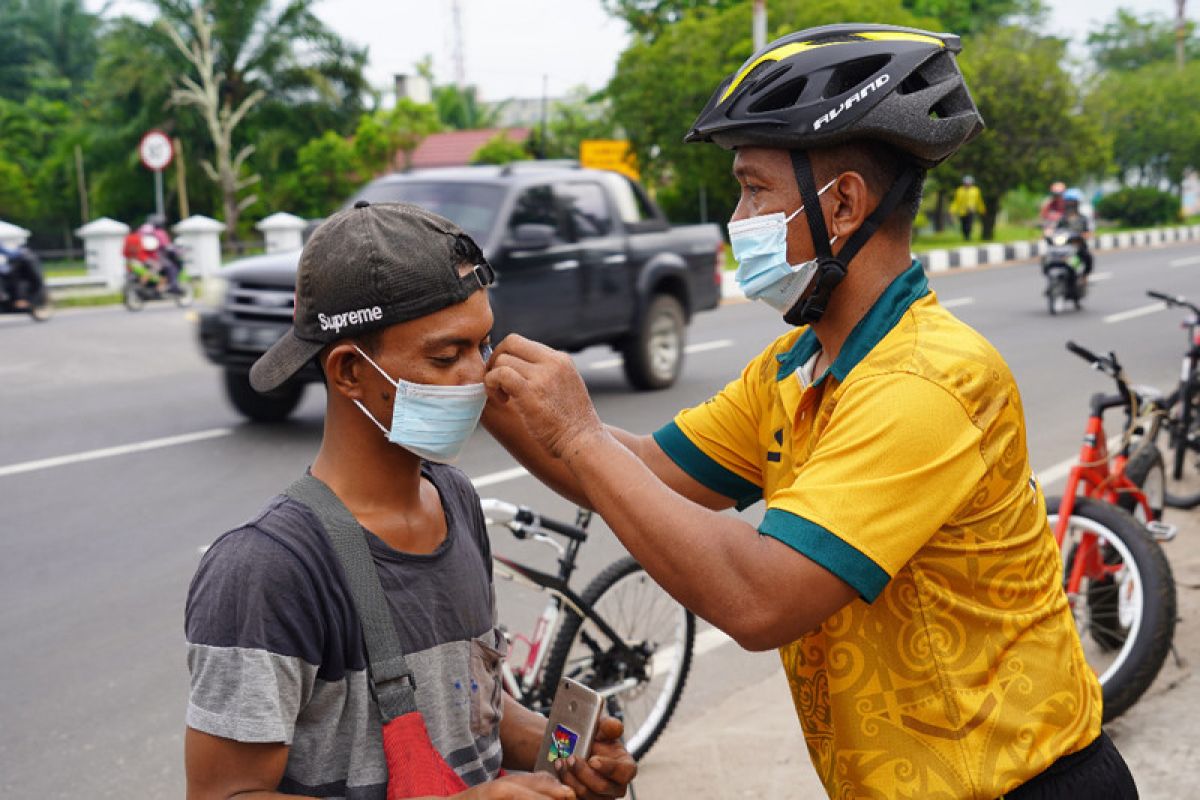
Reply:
x=624, y=636
x=1182, y=416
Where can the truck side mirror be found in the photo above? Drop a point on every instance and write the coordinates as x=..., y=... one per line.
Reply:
x=532, y=236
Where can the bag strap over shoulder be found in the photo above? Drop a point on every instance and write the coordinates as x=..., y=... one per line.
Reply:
x=392, y=681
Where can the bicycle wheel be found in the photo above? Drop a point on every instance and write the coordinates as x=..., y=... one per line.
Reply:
x=1124, y=606
x=646, y=687
x=1145, y=469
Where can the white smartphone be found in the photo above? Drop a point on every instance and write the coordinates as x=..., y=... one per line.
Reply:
x=572, y=726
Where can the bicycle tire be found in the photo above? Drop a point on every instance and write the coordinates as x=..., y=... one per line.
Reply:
x=1125, y=657
x=573, y=657
x=1146, y=470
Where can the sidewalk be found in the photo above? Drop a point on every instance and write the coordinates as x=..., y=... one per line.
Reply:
x=750, y=745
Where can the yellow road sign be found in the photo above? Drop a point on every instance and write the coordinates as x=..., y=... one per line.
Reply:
x=614, y=154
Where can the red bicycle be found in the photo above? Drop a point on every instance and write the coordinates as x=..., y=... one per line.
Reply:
x=1115, y=574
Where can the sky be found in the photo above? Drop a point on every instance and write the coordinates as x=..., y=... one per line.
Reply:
x=511, y=46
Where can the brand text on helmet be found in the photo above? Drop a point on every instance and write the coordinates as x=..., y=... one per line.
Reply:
x=857, y=97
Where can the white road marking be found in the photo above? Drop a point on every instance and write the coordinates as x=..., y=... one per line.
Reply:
x=111, y=452
x=1184, y=262
x=1097, y=277
x=1141, y=311
x=492, y=478
x=699, y=347
x=958, y=301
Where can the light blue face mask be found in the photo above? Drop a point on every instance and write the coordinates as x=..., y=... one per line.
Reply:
x=760, y=248
x=432, y=421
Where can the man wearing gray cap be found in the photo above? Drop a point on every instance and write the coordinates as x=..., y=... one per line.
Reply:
x=285, y=682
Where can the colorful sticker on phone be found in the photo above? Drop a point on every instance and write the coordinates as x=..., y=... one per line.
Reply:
x=562, y=743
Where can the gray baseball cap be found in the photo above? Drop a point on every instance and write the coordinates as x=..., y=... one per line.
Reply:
x=366, y=268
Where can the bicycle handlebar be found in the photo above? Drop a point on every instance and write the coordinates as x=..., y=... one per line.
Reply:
x=518, y=518
x=1174, y=300
x=1085, y=354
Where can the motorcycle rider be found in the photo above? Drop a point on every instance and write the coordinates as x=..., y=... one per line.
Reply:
x=1053, y=207
x=20, y=276
x=1074, y=221
x=150, y=254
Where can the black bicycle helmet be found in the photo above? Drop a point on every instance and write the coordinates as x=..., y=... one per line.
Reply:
x=839, y=83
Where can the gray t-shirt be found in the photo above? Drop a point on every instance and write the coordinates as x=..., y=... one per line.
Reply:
x=276, y=653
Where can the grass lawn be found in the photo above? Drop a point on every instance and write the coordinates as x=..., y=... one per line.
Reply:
x=73, y=268
x=951, y=236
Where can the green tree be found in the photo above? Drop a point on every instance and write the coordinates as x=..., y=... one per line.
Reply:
x=580, y=115
x=649, y=18
x=500, y=149
x=1130, y=41
x=1034, y=134
x=311, y=82
x=660, y=86
x=327, y=172
x=461, y=109
x=966, y=17
x=399, y=130
x=1153, y=116
x=44, y=41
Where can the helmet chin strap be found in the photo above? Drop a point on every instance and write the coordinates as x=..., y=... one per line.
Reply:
x=831, y=269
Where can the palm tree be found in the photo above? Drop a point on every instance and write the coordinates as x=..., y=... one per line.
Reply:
x=46, y=45
x=301, y=79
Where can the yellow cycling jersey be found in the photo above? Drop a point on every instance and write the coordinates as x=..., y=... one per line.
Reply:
x=903, y=470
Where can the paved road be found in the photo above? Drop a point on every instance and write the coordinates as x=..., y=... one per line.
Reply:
x=119, y=459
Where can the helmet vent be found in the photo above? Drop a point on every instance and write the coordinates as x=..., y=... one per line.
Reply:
x=914, y=83
x=782, y=96
x=852, y=73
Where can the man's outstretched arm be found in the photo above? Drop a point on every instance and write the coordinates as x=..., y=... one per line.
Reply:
x=716, y=565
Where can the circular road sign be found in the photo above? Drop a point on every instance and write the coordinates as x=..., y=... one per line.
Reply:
x=155, y=150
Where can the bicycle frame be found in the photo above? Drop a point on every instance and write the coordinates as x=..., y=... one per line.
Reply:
x=1095, y=473
x=524, y=680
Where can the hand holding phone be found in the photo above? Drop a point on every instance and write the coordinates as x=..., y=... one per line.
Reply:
x=572, y=726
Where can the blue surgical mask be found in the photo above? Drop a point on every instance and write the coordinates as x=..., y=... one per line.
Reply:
x=432, y=421
x=760, y=248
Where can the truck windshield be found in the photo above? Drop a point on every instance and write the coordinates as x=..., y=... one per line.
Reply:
x=472, y=206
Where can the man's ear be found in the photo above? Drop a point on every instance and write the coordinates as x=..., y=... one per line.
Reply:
x=344, y=370
x=853, y=203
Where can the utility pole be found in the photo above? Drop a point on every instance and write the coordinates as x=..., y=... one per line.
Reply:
x=759, y=26
x=460, y=70
x=1180, y=32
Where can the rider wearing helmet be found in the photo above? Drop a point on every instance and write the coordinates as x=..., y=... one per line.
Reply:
x=904, y=566
x=150, y=255
x=1053, y=206
x=1074, y=220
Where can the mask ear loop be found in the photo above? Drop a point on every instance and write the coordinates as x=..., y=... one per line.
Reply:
x=832, y=269
x=387, y=378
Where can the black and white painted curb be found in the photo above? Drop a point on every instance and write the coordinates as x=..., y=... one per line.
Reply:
x=988, y=254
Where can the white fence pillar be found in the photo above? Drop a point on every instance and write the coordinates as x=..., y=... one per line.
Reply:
x=103, y=241
x=282, y=232
x=12, y=236
x=199, y=238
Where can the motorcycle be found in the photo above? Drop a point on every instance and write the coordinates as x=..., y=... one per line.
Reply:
x=1062, y=267
x=145, y=283
x=22, y=290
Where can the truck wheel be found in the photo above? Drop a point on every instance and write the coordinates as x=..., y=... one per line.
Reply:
x=273, y=407
x=654, y=353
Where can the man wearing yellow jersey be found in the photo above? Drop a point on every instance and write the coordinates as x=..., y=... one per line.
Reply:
x=904, y=567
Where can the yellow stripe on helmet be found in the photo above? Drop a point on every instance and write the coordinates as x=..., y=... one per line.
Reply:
x=778, y=54
x=789, y=50
x=897, y=36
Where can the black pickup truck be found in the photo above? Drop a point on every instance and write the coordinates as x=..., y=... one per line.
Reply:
x=582, y=257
